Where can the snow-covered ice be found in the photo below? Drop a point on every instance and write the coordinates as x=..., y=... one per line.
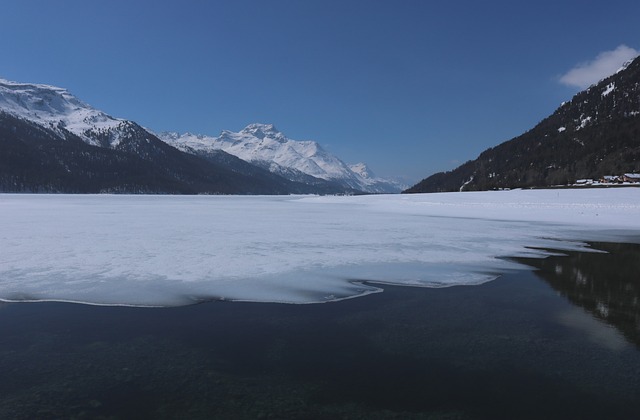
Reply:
x=175, y=250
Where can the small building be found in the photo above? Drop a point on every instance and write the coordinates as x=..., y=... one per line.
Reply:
x=610, y=179
x=631, y=177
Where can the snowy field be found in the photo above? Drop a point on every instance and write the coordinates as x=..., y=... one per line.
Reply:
x=176, y=250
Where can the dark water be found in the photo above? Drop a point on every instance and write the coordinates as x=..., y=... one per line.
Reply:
x=562, y=342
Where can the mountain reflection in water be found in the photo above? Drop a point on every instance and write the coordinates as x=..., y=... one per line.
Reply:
x=607, y=285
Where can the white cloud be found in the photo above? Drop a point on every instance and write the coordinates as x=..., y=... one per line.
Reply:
x=605, y=64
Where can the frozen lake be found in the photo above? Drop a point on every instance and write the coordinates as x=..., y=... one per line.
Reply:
x=177, y=250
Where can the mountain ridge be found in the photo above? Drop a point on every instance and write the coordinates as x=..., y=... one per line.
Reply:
x=595, y=134
x=265, y=146
x=49, y=130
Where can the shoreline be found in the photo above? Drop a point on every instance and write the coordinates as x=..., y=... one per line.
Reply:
x=368, y=287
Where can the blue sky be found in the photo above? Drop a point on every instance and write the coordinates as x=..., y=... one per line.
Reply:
x=410, y=87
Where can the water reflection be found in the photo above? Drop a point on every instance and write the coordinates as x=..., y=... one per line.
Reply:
x=596, y=331
x=607, y=285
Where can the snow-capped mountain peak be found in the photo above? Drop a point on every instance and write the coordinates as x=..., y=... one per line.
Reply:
x=263, y=130
x=363, y=170
x=55, y=108
x=39, y=97
x=265, y=146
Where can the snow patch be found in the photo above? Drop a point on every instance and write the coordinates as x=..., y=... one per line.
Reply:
x=466, y=183
x=583, y=122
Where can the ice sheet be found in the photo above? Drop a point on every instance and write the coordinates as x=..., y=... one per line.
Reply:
x=175, y=250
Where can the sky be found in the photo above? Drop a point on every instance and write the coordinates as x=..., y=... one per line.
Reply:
x=411, y=87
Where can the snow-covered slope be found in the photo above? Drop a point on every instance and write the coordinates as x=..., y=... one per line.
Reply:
x=264, y=145
x=55, y=108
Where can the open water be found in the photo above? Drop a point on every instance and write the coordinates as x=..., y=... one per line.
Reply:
x=561, y=342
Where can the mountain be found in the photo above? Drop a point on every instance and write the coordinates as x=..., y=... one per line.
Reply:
x=374, y=183
x=50, y=141
x=301, y=161
x=595, y=134
x=56, y=109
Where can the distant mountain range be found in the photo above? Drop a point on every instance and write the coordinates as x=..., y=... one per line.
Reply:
x=595, y=134
x=50, y=141
x=301, y=161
